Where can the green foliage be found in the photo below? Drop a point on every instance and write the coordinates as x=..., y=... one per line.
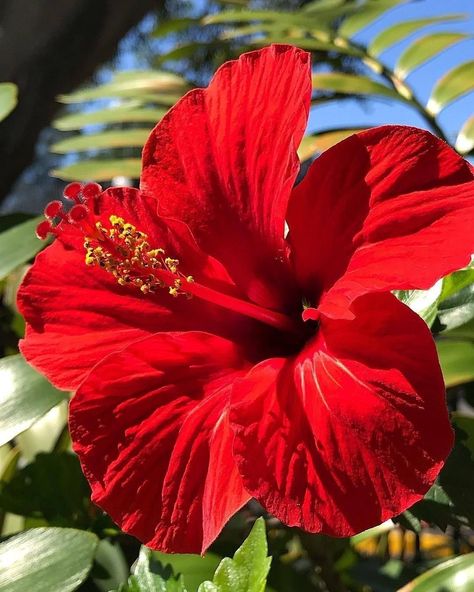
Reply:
x=26, y=396
x=454, y=575
x=246, y=572
x=46, y=560
x=51, y=488
x=18, y=245
x=8, y=99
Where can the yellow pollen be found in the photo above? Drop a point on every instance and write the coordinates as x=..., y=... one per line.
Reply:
x=125, y=252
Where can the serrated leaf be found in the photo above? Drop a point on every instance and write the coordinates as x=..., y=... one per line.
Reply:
x=366, y=15
x=457, y=360
x=453, y=575
x=310, y=145
x=8, y=98
x=105, y=140
x=465, y=139
x=424, y=49
x=76, y=121
x=146, y=579
x=159, y=84
x=25, y=396
x=248, y=570
x=193, y=568
x=352, y=84
x=18, y=245
x=100, y=170
x=400, y=31
x=46, y=560
x=451, y=86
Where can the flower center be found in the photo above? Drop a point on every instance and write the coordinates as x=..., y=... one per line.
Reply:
x=126, y=253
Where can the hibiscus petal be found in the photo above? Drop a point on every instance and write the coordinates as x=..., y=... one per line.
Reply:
x=150, y=426
x=77, y=314
x=224, y=161
x=389, y=208
x=353, y=430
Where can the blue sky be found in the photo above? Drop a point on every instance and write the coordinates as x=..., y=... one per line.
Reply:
x=352, y=113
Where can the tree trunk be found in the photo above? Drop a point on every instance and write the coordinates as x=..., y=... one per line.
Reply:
x=49, y=47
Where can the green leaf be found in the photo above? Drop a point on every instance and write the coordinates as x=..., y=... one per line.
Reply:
x=25, y=397
x=310, y=145
x=246, y=16
x=109, y=139
x=176, y=25
x=248, y=570
x=100, y=170
x=453, y=575
x=146, y=578
x=457, y=281
x=424, y=49
x=155, y=83
x=465, y=139
x=458, y=309
x=352, y=84
x=46, y=560
x=366, y=15
x=457, y=360
x=76, y=121
x=451, y=86
x=18, y=245
x=423, y=302
x=400, y=31
x=53, y=488
x=8, y=98
x=193, y=568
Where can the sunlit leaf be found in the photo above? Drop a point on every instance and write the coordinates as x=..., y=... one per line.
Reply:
x=194, y=568
x=458, y=309
x=352, y=84
x=248, y=570
x=131, y=85
x=18, y=244
x=46, y=560
x=451, y=86
x=169, y=26
x=146, y=579
x=365, y=15
x=453, y=575
x=109, y=139
x=400, y=31
x=465, y=139
x=76, y=121
x=457, y=360
x=310, y=145
x=310, y=44
x=424, y=49
x=423, y=302
x=25, y=396
x=100, y=170
x=8, y=98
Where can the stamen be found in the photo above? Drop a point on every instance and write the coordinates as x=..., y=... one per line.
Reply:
x=125, y=252
x=43, y=229
x=53, y=209
x=72, y=192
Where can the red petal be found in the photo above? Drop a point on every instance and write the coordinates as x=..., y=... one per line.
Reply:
x=351, y=432
x=150, y=425
x=224, y=161
x=389, y=208
x=78, y=314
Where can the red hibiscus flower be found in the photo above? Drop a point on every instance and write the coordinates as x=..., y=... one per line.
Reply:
x=216, y=360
